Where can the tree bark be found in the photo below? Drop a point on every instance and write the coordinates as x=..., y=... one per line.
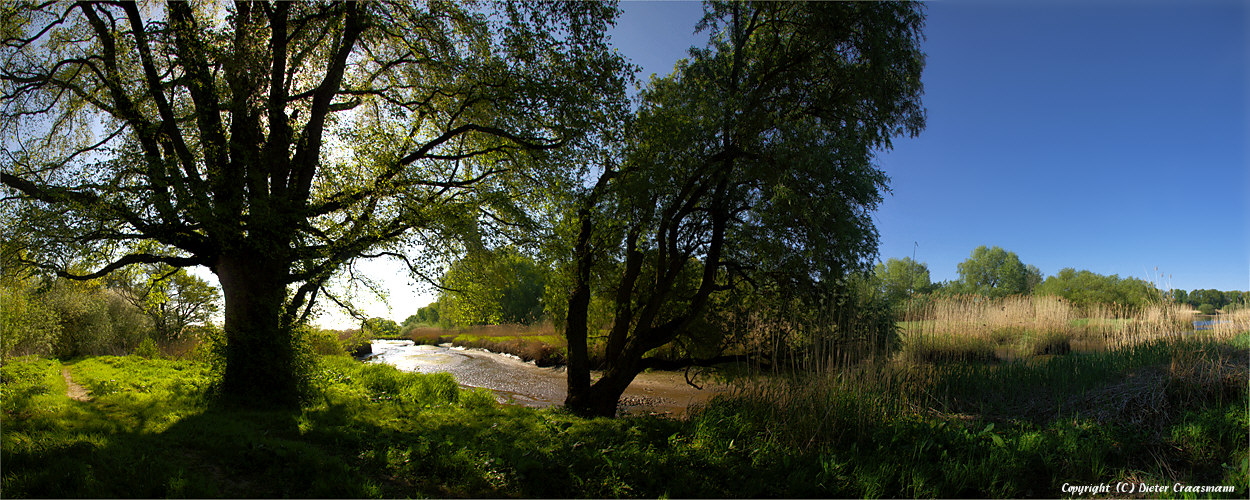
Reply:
x=605, y=394
x=260, y=353
x=575, y=330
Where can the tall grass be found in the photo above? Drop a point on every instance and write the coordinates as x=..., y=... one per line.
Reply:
x=979, y=328
x=1022, y=379
x=1233, y=323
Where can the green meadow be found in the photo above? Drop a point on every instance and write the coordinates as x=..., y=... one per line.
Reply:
x=1159, y=412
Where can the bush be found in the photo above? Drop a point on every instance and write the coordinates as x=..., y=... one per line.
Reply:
x=26, y=326
x=324, y=342
x=94, y=320
x=1206, y=309
x=356, y=343
x=147, y=349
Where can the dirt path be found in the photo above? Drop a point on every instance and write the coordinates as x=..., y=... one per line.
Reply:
x=74, y=391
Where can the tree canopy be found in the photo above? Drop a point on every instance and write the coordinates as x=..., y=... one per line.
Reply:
x=501, y=286
x=173, y=298
x=1085, y=288
x=899, y=278
x=752, y=162
x=275, y=143
x=994, y=272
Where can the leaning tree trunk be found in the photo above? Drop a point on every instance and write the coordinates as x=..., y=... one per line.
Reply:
x=260, y=353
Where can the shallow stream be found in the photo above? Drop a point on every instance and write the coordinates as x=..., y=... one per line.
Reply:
x=518, y=382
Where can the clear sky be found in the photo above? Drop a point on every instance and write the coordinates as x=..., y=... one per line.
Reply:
x=1108, y=135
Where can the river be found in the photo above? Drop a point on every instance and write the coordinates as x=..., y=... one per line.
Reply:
x=518, y=382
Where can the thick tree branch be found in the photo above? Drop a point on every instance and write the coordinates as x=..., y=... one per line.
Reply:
x=307, y=153
x=135, y=258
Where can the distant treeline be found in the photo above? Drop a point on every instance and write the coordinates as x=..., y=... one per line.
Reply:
x=505, y=286
x=994, y=272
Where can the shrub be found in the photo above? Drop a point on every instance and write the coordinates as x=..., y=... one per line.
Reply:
x=94, y=320
x=1206, y=309
x=147, y=349
x=356, y=342
x=324, y=342
x=26, y=326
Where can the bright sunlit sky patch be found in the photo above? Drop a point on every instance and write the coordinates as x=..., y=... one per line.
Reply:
x=1105, y=135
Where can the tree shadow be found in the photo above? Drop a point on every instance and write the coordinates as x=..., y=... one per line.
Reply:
x=107, y=448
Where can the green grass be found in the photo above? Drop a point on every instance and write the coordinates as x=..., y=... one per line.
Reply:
x=1017, y=429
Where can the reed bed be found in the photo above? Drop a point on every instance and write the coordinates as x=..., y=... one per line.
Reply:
x=973, y=359
x=964, y=328
x=1231, y=324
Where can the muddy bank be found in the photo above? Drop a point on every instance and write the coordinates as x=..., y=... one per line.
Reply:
x=518, y=382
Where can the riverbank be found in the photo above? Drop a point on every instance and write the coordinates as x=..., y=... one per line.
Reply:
x=538, y=343
x=1159, y=414
x=515, y=381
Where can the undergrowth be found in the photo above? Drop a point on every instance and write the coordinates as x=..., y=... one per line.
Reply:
x=924, y=430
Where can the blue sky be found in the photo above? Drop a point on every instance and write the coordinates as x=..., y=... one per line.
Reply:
x=1110, y=136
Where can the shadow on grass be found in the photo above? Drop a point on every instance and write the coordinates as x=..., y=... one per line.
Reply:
x=106, y=449
x=367, y=439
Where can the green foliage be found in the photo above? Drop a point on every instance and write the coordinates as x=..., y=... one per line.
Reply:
x=491, y=287
x=172, y=298
x=994, y=272
x=1206, y=308
x=28, y=324
x=147, y=349
x=899, y=279
x=449, y=123
x=380, y=328
x=1084, y=288
x=324, y=342
x=428, y=314
x=728, y=174
x=1032, y=277
x=374, y=431
x=94, y=319
x=67, y=318
x=1214, y=297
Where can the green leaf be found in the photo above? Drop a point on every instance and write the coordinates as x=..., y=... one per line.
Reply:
x=998, y=441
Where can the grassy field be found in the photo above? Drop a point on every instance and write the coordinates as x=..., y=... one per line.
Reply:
x=1159, y=411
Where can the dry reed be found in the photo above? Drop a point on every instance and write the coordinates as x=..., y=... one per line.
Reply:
x=1037, y=325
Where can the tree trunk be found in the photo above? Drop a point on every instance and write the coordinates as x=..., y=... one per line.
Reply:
x=605, y=394
x=260, y=366
x=575, y=329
